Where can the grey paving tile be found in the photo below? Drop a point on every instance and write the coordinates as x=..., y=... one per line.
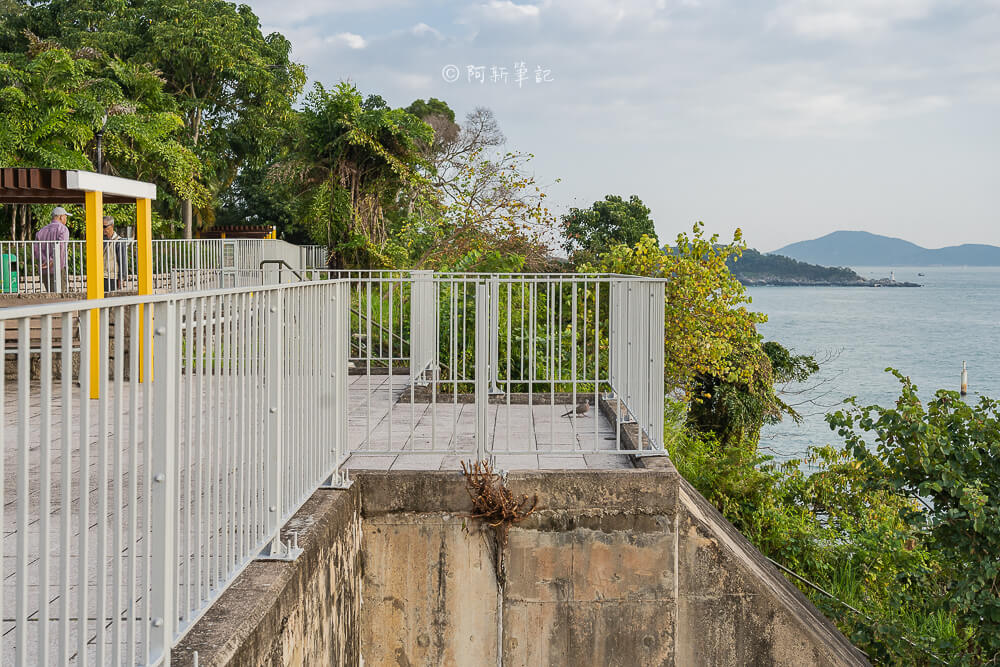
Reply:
x=369, y=462
x=418, y=462
x=516, y=462
x=556, y=462
x=608, y=461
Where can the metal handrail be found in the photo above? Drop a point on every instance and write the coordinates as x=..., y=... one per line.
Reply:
x=280, y=262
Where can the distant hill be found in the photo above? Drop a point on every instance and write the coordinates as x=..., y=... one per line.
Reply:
x=865, y=249
x=755, y=268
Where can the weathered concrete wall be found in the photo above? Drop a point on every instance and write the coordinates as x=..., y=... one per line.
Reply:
x=430, y=594
x=624, y=567
x=615, y=568
x=735, y=608
x=304, y=612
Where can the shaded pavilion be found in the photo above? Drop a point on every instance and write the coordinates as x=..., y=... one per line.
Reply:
x=20, y=185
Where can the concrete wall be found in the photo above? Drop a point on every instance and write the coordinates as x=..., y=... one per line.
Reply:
x=615, y=568
x=625, y=567
x=304, y=612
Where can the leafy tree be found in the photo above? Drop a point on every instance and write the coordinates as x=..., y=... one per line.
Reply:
x=254, y=199
x=945, y=459
x=441, y=118
x=351, y=157
x=53, y=102
x=612, y=221
x=735, y=410
x=480, y=201
x=233, y=86
x=707, y=322
x=432, y=107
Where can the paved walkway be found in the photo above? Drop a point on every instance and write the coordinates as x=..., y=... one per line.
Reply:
x=387, y=434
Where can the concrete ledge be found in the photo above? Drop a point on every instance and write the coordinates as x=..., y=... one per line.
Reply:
x=635, y=491
x=292, y=613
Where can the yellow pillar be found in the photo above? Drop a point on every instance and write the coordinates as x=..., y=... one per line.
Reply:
x=144, y=264
x=94, y=202
x=144, y=244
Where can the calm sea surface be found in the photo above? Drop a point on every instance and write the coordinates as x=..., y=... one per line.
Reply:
x=924, y=332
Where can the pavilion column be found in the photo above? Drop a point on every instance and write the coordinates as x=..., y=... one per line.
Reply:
x=94, y=202
x=144, y=253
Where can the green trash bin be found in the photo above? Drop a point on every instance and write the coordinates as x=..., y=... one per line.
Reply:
x=8, y=274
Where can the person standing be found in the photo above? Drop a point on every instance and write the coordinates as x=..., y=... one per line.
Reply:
x=51, y=253
x=114, y=256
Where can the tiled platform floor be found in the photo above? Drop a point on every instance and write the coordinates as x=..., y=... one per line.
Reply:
x=387, y=434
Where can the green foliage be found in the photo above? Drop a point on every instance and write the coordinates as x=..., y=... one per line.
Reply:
x=253, y=199
x=54, y=101
x=351, y=157
x=735, y=408
x=901, y=524
x=945, y=458
x=609, y=222
x=432, y=107
x=709, y=330
x=231, y=85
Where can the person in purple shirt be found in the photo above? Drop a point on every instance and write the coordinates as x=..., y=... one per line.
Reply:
x=51, y=256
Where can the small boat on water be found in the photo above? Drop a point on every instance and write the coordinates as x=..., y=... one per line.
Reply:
x=920, y=274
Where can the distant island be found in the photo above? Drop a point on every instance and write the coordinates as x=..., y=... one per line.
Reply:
x=757, y=269
x=846, y=248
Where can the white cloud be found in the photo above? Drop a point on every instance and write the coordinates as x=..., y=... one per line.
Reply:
x=282, y=13
x=424, y=30
x=834, y=110
x=348, y=39
x=827, y=19
x=507, y=11
x=767, y=82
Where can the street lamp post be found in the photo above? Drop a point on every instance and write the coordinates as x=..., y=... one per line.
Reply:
x=100, y=148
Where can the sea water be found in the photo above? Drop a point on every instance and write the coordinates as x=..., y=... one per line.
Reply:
x=926, y=333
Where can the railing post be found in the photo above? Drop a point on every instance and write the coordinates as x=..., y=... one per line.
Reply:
x=422, y=323
x=482, y=355
x=494, y=335
x=163, y=494
x=341, y=317
x=656, y=392
x=197, y=267
x=274, y=466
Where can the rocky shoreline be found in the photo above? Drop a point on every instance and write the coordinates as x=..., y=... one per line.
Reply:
x=770, y=281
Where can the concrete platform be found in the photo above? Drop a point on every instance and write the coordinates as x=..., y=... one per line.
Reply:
x=387, y=434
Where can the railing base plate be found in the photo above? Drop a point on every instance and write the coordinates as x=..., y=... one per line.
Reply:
x=278, y=550
x=335, y=481
x=642, y=453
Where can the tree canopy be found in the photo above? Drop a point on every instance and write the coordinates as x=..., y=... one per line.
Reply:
x=231, y=85
x=607, y=223
x=708, y=323
x=54, y=101
x=351, y=156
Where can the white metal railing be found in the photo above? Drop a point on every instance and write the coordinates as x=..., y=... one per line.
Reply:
x=34, y=267
x=28, y=267
x=524, y=349
x=125, y=516
x=219, y=412
x=314, y=256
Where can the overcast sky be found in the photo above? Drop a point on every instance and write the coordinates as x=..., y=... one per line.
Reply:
x=787, y=118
